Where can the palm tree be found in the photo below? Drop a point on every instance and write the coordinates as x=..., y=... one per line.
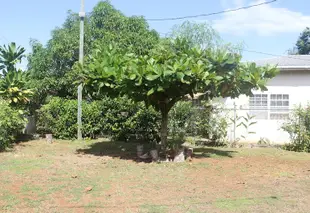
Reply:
x=9, y=56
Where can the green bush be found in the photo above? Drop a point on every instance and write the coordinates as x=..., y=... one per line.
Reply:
x=125, y=120
x=212, y=124
x=119, y=118
x=181, y=118
x=145, y=124
x=58, y=117
x=205, y=121
x=298, y=126
x=12, y=123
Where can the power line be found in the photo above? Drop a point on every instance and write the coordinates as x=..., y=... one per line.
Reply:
x=210, y=14
x=4, y=38
x=258, y=52
x=275, y=55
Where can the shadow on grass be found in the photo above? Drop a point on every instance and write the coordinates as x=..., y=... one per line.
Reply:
x=20, y=140
x=207, y=152
x=128, y=151
x=114, y=149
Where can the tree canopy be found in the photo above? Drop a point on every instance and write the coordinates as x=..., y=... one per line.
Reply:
x=171, y=71
x=302, y=46
x=50, y=66
x=197, y=34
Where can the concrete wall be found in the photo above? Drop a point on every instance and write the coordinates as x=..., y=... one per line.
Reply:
x=296, y=84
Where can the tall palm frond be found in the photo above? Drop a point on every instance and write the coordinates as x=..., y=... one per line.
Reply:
x=10, y=55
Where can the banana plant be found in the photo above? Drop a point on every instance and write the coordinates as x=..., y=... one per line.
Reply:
x=12, y=80
x=13, y=89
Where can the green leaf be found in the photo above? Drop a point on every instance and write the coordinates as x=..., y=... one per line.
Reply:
x=244, y=125
x=207, y=82
x=205, y=75
x=180, y=75
x=168, y=72
x=139, y=83
x=188, y=73
x=263, y=88
x=239, y=125
x=252, y=123
x=132, y=76
x=160, y=89
x=218, y=78
x=151, y=77
x=150, y=92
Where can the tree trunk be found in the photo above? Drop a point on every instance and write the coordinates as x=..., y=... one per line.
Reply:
x=164, y=128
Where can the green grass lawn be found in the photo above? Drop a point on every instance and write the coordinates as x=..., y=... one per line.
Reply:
x=104, y=176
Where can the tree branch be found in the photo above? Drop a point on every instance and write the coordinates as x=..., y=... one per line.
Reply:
x=172, y=102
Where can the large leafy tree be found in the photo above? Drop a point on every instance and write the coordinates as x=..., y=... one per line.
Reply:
x=50, y=66
x=302, y=46
x=171, y=71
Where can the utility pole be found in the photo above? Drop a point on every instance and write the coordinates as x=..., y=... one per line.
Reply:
x=81, y=60
x=235, y=120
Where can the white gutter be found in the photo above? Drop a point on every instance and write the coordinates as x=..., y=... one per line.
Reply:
x=292, y=68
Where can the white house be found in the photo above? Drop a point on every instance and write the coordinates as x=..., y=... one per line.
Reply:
x=290, y=88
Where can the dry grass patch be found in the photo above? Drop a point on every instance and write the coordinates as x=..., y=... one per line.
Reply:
x=104, y=176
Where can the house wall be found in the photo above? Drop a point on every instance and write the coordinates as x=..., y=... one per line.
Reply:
x=294, y=83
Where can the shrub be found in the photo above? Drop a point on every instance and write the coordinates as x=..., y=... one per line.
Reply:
x=125, y=120
x=59, y=118
x=120, y=118
x=298, y=127
x=182, y=116
x=212, y=124
x=144, y=124
x=205, y=121
x=12, y=123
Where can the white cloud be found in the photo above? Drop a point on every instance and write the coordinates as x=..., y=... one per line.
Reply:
x=235, y=3
x=263, y=20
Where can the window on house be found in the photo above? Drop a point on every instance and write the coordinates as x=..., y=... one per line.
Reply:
x=279, y=106
x=259, y=106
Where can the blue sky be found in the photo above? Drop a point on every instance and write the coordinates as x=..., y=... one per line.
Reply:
x=270, y=28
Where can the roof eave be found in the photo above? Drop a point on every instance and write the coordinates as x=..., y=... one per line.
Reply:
x=294, y=68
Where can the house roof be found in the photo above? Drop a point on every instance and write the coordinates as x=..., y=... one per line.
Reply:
x=301, y=62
